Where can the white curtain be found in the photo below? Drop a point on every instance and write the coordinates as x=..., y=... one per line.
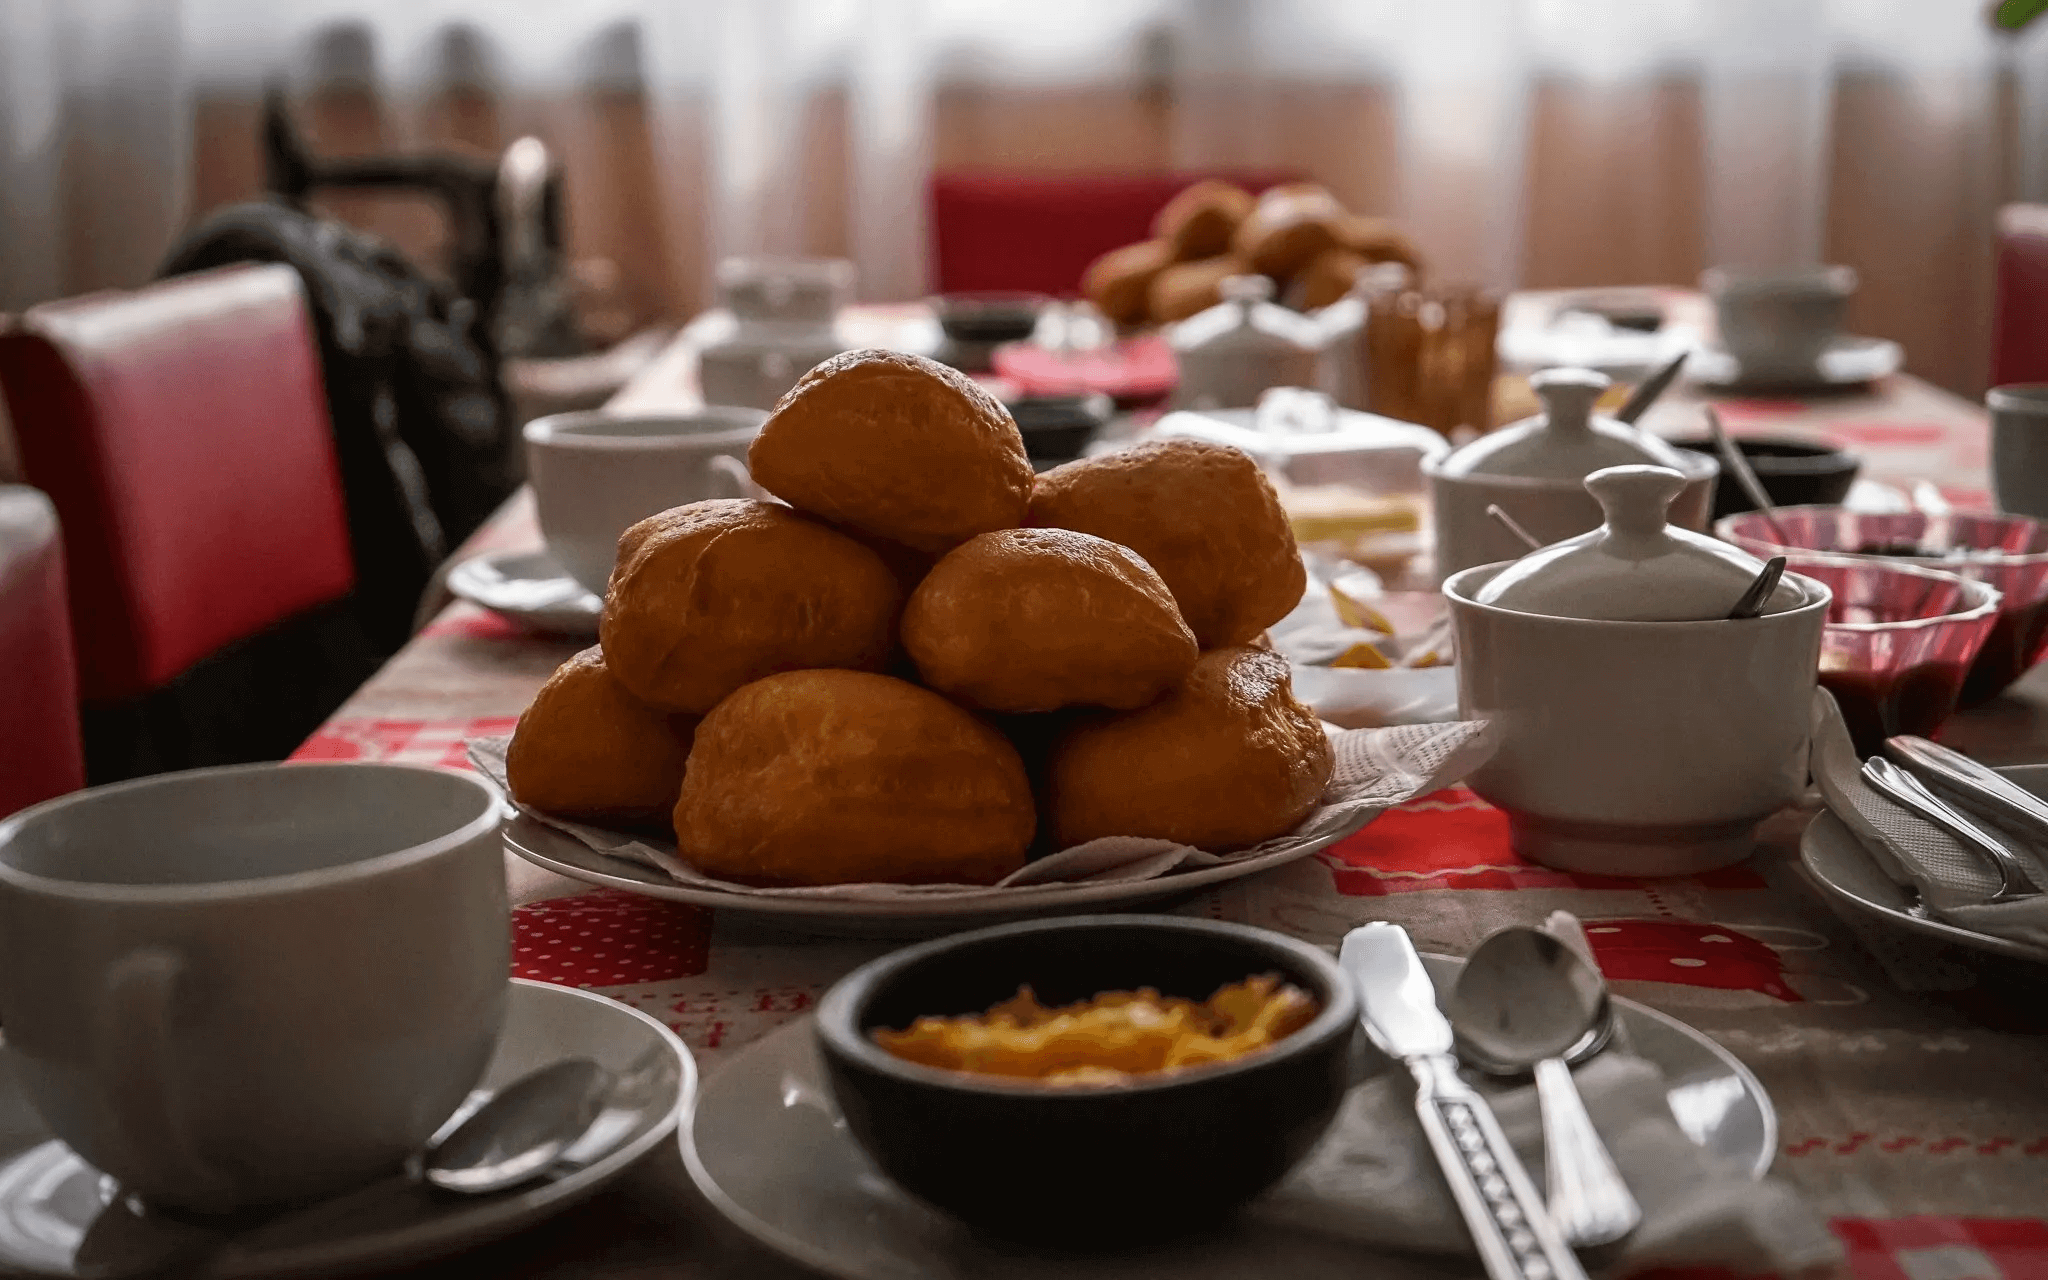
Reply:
x=95, y=94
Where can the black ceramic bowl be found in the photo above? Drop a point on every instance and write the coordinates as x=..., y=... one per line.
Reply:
x=1058, y=428
x=1796, y=473
x=989, y=317
x=1097, y=1165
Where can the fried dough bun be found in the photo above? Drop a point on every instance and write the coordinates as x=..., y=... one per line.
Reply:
x=895, y=446
x=1200, y=221
x=587, y=749
x=840, y=777
x=1228, y=759
x=1189, y=288
x=708, y=597
x=1119, y=282
x=1377, y=240
x=1038, y=619
x=1202, y=515
x=1287, y=228
x=1327, y=278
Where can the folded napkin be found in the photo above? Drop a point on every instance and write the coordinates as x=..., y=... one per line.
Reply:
x=1952, y=879
x=1375, y=770
x=1354, y=666
x=1373, y=1180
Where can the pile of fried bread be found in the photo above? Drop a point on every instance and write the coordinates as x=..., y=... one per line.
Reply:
x=1297, y=234
x=924, y=665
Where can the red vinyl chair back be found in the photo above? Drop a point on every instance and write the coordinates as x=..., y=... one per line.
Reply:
x=2019, y=327
x=182, y=432
x=1039, y=232
x=40, y=752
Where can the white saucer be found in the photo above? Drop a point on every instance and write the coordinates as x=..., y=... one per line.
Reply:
x=529, y=588
x=1844, y=870
x=767, y=1147
x=907, y=917
x=59, y=1216
x=1848, y=362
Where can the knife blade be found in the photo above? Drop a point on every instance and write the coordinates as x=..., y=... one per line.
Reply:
x=1510, y=1227
x=1976, y=785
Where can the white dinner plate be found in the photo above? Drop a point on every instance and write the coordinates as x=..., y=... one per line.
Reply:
x=529, y=588
x=1848, y=362
x=909, y=917
x=57, y=1217
x=767, y=1147
x=1846, y=871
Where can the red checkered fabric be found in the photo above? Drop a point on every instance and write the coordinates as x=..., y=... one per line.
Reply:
x=429, y=742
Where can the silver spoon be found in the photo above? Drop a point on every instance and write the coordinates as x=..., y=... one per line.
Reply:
x=522, y=1130
x=1647, y=392
x=1907, y=790
x=1735, y=462
x=1508, y=522
x=1524, y=998
x=1759, y=593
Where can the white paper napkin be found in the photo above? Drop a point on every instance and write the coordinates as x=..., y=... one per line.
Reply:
x=1375, y=769
x=1373, y=1180
x=1317, y=633
x=1953, y=880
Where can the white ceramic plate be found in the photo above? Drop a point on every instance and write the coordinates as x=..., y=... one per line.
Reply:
x=55, y=1219
x=1845, y=871
x=1849, y=362
x=529, y=588
x=902, y=918
x=766, y=1146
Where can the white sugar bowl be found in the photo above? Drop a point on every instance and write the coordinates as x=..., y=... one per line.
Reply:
x=1534, y=470
x=1642, y=732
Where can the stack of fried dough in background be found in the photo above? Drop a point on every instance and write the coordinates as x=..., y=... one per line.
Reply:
x=1298, y=235
x=928, y=665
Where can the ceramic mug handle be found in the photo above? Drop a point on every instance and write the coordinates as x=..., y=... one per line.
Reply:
x=733, y=475
x=132, y=1057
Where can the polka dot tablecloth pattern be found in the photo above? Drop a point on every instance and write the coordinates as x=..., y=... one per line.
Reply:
x=609, y=939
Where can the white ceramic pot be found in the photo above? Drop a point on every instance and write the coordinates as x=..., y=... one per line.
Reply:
x=1638, y=748
x=785, y=290
x=757, y=362
x=595, y=474
x=1777, y=323
x=1551, y=510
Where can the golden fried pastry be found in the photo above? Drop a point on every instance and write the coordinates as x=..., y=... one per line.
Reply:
x=708, y=597
x=1119, y=282
x=838, y=777
x=1038, y=619
x=1199, y=222
x=895, y=446
x=1327, y=278
x=587, y=749
x=1287, y=228
x=1377, y=240
x=1226, y=760
x=1202, y=515
x=1188, y=288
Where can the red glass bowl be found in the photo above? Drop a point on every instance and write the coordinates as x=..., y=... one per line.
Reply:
x=2006, y=553
x=1898, y=643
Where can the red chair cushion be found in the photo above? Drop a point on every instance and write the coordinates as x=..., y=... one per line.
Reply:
x=40, y=752
x=2019, y=327
x=182, y=432
x=1039, y=232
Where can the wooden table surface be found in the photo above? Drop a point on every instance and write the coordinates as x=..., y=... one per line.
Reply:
x=1914, y=1102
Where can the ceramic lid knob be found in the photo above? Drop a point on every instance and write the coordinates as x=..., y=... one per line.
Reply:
x=1635, y=499
x=1246, y=289
x=1568, y=396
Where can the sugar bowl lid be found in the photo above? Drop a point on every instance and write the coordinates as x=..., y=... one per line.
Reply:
x=1247, y=320
x=1636, y=567
x=1567, y=441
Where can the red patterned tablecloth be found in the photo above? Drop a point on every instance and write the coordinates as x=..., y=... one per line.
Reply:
x=1911, y=1082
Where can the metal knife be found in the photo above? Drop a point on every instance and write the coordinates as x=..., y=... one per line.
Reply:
x=1976, y=785
x=1510, y=1227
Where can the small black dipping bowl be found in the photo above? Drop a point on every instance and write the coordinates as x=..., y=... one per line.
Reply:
x=1058, y=428
x=1086, y=1166
x=1796, y=473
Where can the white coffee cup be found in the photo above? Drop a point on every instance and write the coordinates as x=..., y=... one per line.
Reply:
x=257, y=985
x=1778, y=323
x=2019, y=448
x=595, y=475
